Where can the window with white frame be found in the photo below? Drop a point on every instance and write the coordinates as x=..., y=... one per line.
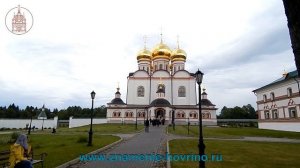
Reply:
x=267, y=115
x=272, y=95
x=275, y=114
x=289, y=92
x=265, y=97
x=292, y=112
x=181, y=91
x=140, y=91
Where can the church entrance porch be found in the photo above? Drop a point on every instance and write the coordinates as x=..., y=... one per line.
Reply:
x=160, y=113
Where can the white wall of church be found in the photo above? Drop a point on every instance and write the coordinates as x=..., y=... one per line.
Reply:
x=190, y=98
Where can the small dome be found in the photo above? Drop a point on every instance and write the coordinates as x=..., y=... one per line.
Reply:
x=178, y=55
x=160, y=103
x=117, y=101
x=144, y=55
x=161, y=50
x=206, y=102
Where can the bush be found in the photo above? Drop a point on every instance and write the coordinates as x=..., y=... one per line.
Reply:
x=14, y=136
x=82, y=139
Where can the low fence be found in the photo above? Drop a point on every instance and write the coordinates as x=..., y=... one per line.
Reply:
x=24, y=123
x=238, y=122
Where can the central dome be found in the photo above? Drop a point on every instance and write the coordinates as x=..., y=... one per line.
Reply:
x=161, y=50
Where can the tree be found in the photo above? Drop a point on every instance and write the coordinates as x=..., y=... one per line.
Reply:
x=245, y=112
x=292, y=11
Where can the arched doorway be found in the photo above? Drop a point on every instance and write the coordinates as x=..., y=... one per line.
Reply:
x=160, y=113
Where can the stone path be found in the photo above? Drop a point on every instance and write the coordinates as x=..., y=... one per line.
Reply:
x=153, y=142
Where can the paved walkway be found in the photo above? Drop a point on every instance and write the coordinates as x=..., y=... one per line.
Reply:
x=143, y=143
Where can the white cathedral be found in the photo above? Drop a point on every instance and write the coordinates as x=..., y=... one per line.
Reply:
x=159, y=88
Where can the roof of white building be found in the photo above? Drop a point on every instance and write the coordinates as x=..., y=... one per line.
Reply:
x=290, y=75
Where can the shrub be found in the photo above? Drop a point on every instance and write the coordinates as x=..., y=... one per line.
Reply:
x=14, y=136
x=82, y=139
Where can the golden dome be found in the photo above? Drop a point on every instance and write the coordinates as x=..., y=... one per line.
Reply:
x=161, y=51
x=178, y=55
x=144, y=55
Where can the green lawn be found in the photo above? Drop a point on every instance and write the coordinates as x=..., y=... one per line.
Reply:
x=239, y=154
x=62, y=148
x=222, y=132
x=104, y=129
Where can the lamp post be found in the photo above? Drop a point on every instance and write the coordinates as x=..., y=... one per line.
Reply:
x=136, y=119
x=173, y=119
x=42, y=116
x=188, y=125
x=201, y=146
x=91, y=125
x=29, y=130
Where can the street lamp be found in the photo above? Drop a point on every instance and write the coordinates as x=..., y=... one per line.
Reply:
x=91, y=125
x=30, y=122
x=201, y=146
x=136, y=119
x=42, y=116
x=173, y=119
x=188, y=125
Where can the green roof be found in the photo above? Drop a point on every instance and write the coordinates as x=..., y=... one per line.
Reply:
x=42, y=115
x=289, y=75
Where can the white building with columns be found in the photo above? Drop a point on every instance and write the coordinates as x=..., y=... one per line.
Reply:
x=278, y=104
x=160, y=85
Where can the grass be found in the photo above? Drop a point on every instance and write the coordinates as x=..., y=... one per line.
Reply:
x=222, y=132
x=62, y=148
x=68, y=143
x=239, y=154
x=104, y=129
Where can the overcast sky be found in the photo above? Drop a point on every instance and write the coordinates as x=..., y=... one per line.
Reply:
x=76, y=47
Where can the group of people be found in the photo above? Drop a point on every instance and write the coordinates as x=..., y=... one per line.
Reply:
x=154, y=122
x=157, y=122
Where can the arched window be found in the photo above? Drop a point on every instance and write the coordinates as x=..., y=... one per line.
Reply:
x=116, y=114
x=267, y=115
x=141, y=114
x=181, y=91
x=140, y=91
x=155, y=67
x=265, y=97
x=180, y=114
x=161, y=87
x=160, y=66
x=272, y=95
x=289, y=92
x=193, y=115
x=275, y=114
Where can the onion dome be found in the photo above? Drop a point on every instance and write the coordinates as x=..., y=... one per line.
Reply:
x=161, y=50
x=144, y=55
x=160, y=103
x=178, y=55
